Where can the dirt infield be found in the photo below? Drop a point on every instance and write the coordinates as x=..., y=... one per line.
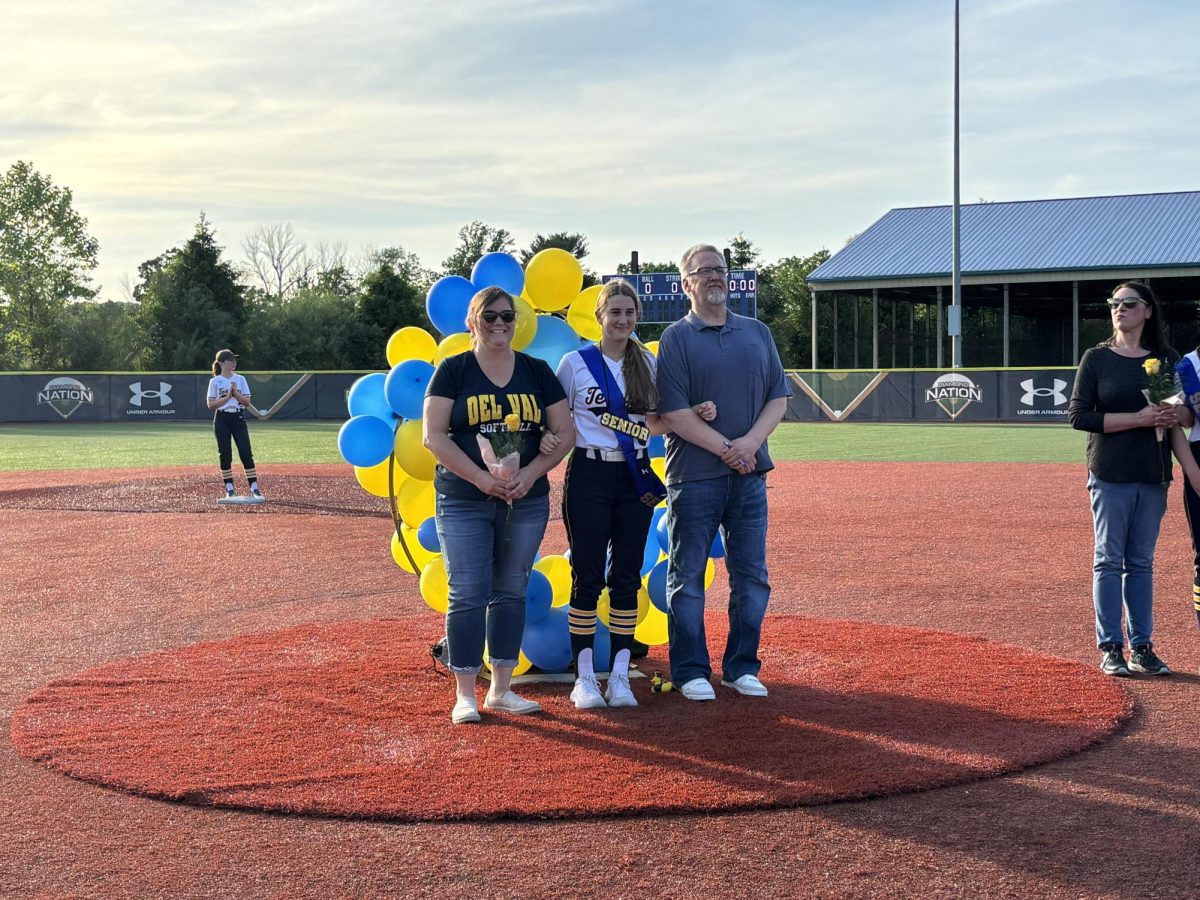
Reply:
x=1000, y=552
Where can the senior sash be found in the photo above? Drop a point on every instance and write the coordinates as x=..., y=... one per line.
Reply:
x=1188, y=370
x=616, y=417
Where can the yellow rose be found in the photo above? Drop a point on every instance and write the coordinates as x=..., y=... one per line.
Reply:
x=513, y=422
x=1151, y=366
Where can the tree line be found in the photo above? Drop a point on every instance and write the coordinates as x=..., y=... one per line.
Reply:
x=284, y=305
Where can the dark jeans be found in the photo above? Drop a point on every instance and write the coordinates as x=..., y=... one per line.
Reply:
x=488, y=551
x=601, y=507
x=232, y=425
x=737, y=504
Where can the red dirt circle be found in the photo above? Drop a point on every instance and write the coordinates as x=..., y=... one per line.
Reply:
x=349, y=720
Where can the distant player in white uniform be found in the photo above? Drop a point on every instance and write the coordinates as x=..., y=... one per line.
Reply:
x=229, y=396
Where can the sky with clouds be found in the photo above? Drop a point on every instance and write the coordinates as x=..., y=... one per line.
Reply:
x=643, y=125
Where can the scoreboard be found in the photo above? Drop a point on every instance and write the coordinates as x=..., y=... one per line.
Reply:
x=663, y=299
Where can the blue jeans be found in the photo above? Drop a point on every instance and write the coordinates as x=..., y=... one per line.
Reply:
x=1127, y=518
x=488, y=579
x=737, y=504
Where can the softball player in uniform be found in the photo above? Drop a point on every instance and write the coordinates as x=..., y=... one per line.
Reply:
x=229, y=396
x=610, y=490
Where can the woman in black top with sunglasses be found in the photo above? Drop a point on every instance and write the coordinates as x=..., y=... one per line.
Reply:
x=1129, y=469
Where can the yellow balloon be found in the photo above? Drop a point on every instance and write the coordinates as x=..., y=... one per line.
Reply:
x=553, y=279
x=435, y=587
x=419, y=553
x=604, y=606
x=411, y=454
x=410, y=342
x=523, y=663
x=582, y=314
x=452, y=345
x=652, y=630
x=652, y=346
x=374, y=479
x=526, y=324
x=558, y=570
x=416, y=501
x=710, y=572
x=659, y=465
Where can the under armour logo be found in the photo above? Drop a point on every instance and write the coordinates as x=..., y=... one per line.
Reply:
x=163, y=394
x=1056, y=392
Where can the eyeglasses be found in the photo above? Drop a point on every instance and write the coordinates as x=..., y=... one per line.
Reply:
x=1127, y=302
x=708, y=272
x=490, y=316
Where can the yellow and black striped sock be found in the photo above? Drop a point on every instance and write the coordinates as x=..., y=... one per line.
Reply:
x=1196, y=601
x=251, y=476
x=621, y=625
x=582, y=625
x=227, y=477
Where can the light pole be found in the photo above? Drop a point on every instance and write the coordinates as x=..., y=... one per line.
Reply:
x=954, y=321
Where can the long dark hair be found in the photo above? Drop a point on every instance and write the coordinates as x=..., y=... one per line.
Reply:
x=641, y=394
x=1154, y=335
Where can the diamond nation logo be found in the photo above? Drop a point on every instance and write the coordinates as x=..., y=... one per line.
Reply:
x=65, y=395
x=954, y=393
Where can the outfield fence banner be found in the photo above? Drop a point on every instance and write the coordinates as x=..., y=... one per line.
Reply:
x=170, y=396
x=967, y=395
x=918, y=395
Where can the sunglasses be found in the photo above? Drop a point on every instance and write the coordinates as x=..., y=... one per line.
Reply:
x=1128, y=303
x=490, y=316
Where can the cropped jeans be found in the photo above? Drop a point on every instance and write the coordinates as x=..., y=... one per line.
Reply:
x=737, y=504
x=487, y=566
x=1127, y=518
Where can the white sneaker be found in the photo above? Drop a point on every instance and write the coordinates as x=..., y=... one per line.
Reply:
x=747, y=686
x=256, y=492
x=466, y=709
x=586, y=693
x=510, y=702
x=618, y=692
x=698, y=689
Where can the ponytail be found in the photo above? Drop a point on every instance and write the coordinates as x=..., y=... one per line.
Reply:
x=641, y=394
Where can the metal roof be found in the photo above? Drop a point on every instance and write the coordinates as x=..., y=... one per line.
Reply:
x=1132, y=231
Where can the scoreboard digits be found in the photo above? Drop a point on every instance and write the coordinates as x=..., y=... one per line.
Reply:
x=663, y=298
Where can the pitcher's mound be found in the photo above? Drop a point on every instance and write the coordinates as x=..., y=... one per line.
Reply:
x=348, y=720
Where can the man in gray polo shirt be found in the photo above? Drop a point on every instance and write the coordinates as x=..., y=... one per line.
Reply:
x=716, y=472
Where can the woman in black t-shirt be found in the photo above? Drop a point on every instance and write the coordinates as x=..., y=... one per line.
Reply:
x=1129, y=468
x=491, y=525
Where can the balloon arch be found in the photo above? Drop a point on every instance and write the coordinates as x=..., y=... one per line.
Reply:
x=382, y=440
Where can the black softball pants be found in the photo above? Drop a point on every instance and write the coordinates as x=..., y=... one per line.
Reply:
x=602, y=509
x=227, y=426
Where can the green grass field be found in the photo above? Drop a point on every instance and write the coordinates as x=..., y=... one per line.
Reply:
x=104, y=446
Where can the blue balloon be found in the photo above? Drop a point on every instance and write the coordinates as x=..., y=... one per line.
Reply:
x=405, y=387
x=365, y=441
x=601, y=648
x=657, y=446
x=538, y=597
x=554, y=339
x=498, y=270
x=547, y=642
x=650, y=555
x=427, y=536
x=718, y=546
x=656, y=586
x=446, y=303
x=366, y=398
x=661, y=531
